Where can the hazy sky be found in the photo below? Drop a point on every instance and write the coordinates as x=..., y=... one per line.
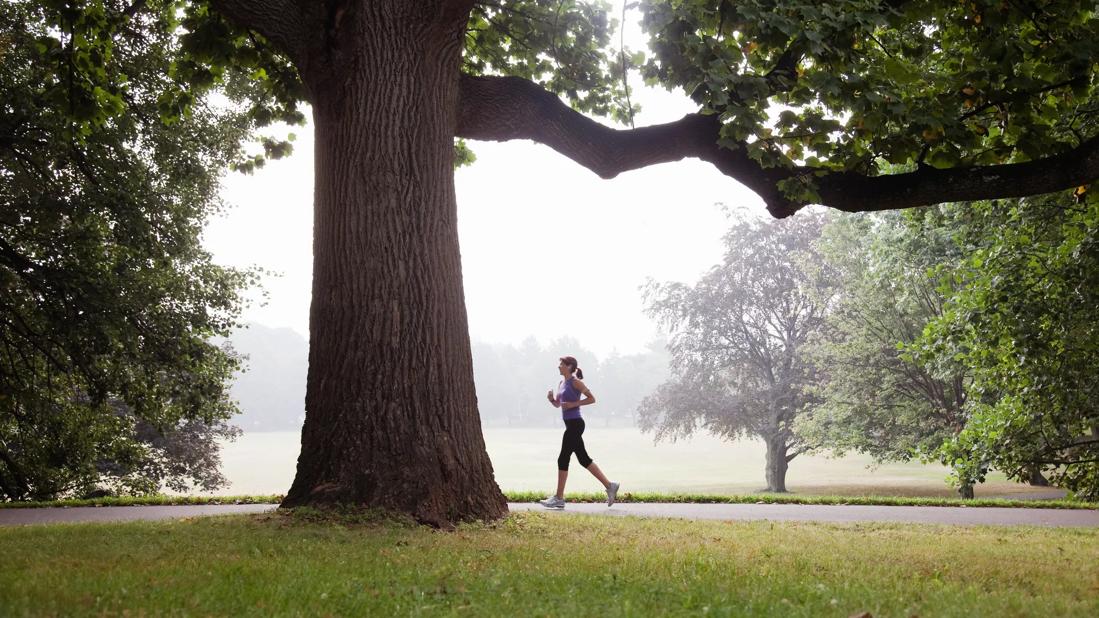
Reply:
x=548, y=248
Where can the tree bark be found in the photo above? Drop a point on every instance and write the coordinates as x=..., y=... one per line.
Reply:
x=391, y=413
x=777, y=464
x=1036, y=478
x=13, y=483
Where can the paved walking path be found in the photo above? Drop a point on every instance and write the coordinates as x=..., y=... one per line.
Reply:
x=964, y=516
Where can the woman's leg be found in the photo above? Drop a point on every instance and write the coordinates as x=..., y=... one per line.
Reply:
x=585, y=460
x=568, y=445
x=562, y=476
x=598, y=474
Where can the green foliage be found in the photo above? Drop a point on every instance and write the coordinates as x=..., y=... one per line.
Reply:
x=88, y=45
x=877, y=398
x=966, y=334
x=462, y=154
x=563, y=46
x=108, y=300
x=860, y=83
x=216, y=56
x=1024, y=322
x=773, y=498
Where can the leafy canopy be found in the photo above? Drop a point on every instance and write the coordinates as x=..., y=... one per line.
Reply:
x=876, y=398
x=108, y=299
x=1023, y=321
x=852, y=84
x=846, y=85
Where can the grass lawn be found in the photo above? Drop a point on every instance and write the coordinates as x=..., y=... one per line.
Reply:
x=534, y=496
x=526, y=460
x=538, y=564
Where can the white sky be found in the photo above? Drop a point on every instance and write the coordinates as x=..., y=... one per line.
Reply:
x=516, y=204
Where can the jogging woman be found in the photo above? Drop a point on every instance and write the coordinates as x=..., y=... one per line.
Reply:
x=568, y=399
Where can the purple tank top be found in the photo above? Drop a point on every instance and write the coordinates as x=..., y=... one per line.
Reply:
x=567, y=392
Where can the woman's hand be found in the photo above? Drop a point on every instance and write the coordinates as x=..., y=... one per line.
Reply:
x=551, y=398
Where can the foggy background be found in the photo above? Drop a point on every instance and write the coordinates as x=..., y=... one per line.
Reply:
x=553, y=259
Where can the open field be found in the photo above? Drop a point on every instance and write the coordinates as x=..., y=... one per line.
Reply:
x=540, y=565
x=525, y=460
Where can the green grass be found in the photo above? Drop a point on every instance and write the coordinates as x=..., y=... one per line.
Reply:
x=525, y=459
x=765, y=498
x=154, y=500
x=543, y=564
x=530, y=496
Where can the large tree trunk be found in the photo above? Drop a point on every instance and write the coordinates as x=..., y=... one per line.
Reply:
x=391, y=413
x=776, y=464
x=1036, y=478
x=13, y=483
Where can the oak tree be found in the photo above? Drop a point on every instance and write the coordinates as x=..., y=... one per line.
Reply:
x=974, y=100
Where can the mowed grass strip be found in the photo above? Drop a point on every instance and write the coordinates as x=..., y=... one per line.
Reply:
x=543, y=564
x=772, y=498
x=531, y=496
x=149, y=500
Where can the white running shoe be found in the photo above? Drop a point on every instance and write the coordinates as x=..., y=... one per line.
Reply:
x=553, y=502
x=612, y=493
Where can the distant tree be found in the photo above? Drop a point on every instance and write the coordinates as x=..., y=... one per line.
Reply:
x=270, y=390
x=1024, y=322
x=496, y=389
x=894, y=272
x=975, y=100
x=739, y=342
x=526, y=373
x=107, y=299
x=184, y=457
x=512, y=381
x=624, y=380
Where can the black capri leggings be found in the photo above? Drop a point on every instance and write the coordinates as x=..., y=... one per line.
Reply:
x=573, y=442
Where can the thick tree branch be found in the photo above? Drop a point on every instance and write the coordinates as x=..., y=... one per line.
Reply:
x=506, y=108
x=856, y=193
x=280, y=21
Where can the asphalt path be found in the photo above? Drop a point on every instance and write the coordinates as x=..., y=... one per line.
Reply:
x=962, y=516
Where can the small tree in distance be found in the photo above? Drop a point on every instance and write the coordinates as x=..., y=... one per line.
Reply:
x=738, y=342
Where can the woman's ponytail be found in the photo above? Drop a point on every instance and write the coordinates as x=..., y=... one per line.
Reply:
x=570, y=362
